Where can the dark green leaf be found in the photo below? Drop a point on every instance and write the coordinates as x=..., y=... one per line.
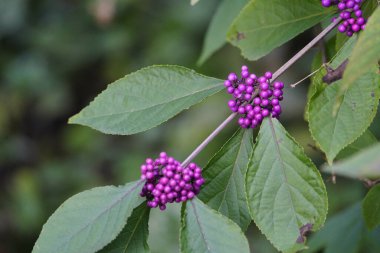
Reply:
x=264, y=25
x=89, y=220
x=203, y=230
x=371, y=207
x=145, y=99
x=286, y=193
x=364, y=164
x=224, y=189
x=134, y=236
x=217, y=30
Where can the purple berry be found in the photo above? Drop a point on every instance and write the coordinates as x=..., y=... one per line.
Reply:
x=278, y=85
x=257, y=101
x=264, y=86
x=268, y=75
x=326, y=3
x=342, y=28
x=232, y=77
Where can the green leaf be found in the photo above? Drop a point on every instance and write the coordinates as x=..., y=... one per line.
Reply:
x=134, y=236
x=333, y=133
x=89, y=220
x=371, y=207
x=286, y=194
x=224, y=189
x=217, y=30
x=145, y=99
x=365, y=54
x=364, y=164
x=341, y=234
x=364, y=141
x=203, y=230
x=317, y=85
x=264, y=25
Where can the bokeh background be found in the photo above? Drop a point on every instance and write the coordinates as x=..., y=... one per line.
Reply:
x=55, y=56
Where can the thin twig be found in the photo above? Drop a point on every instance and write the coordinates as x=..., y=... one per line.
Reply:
x=306, y=77
x=278, y=73
x=304, y=50
x=208, y=139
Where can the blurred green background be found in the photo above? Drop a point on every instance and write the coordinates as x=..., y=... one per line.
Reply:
x=55, y=56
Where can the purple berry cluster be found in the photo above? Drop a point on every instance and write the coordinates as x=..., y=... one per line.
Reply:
x=167, y=181
x=351, y=14
x=254, y=97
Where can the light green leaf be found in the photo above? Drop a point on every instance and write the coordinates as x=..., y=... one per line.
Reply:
x=365, y=54
x=224, y=189
x=365, y=164
x=333, y=133
x=203, y=230
x=364, y=141
x=145, y=99
x=371, y=207
x=134, y=236
x=285, y=191
x=217, y=30
x=341, y=234
x=264, y=25
x=89, y=220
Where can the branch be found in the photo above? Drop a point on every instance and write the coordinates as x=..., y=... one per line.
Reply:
x=335, y=74
x=304, y=50
x=277, y=74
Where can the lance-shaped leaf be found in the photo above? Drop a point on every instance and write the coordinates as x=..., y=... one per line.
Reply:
x=264, y=25
x=89, y=220
x=145, y=99
x=224, y=189
x=365, y=164
x=365, y=54
x=203, y=230
x=134, y=236
x=217, y=30
x=371, y=207
x=286, y=195
x=334, y=132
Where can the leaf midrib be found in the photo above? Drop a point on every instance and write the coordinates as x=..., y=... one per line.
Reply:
x=200, y=227
x=232, y=172
x=134, y=229
x=282, y=24
x=146, y=108
x=282, y=165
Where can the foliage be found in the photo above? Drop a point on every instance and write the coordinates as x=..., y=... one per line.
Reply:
x=270, y=180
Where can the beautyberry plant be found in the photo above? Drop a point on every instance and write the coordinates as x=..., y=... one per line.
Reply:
x=269, y=180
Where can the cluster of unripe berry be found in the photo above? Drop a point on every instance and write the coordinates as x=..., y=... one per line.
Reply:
x=254, y=97
x=167, y=181
x=351, y=14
